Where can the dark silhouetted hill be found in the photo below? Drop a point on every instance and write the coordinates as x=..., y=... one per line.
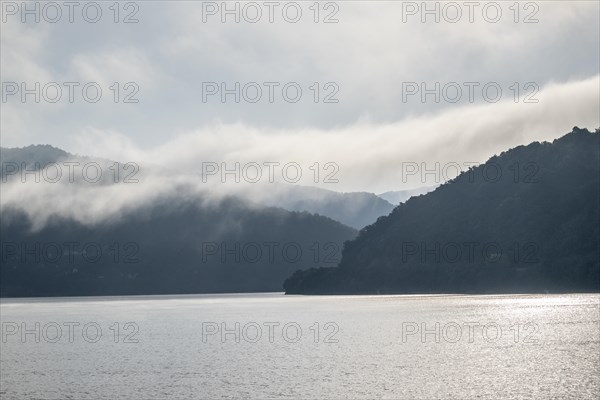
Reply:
x=525, y=221
x=170, y=246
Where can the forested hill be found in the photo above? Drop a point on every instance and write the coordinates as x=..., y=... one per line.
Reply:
x=169, y=246
x=525, y=221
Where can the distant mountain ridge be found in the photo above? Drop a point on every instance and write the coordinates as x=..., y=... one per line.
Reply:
x=40, y=153
x=400, y=196
x=355, y=209
x=527, y=220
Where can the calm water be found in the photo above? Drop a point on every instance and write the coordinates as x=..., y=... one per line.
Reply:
x=343, y=347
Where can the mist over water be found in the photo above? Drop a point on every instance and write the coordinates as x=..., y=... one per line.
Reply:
x=421, y=179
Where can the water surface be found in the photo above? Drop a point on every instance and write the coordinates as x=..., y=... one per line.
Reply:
x=343, y=347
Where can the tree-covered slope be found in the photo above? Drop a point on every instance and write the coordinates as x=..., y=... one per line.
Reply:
x=526, y=220
x=173, y=245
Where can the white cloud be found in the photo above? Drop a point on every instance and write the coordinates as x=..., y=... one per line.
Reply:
x=370, y=155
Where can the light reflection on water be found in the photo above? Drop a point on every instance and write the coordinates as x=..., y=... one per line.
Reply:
x=509, y=346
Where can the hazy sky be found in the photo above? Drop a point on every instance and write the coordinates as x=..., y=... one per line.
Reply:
x=368, y=61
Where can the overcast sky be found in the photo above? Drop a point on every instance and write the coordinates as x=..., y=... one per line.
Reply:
x=366, y=61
